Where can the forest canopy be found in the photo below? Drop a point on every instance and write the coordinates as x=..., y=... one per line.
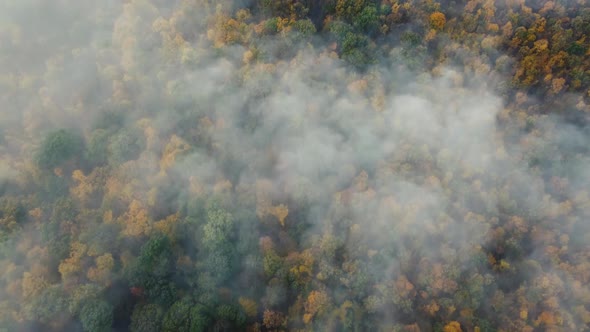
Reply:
x=295, y=165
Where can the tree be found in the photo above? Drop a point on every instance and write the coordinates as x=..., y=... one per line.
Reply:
x=97, y=316
x=101, y=238
x=32, y=285
x=124, y=146
x=367, y=20
x=136, y=220
x=58, y=147
x=281, y=212
x=72, y=266
x=349, y=9
x=437, y=20
x=82, y=294
x=101, y=274
x=219, y=249
x=55, y=233
x=153, y=270
x=146, y=318
x=272, y=263
x=355, y=49
x=317, y=304
x=218, y=230
x=97, y=150
x=178, y=317
x=174, y=150
x=249, y=306
x=305, y=28
x=229, y=315
x=273, y=320
x=49, y=307
x=452, y=327
x=199, y=320
x=12, y=214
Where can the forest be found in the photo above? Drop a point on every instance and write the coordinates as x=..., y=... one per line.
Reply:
x=295, y=165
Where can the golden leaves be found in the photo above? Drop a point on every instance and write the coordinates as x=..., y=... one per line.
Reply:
x=452, y=327
x=273, y=319
x=84, y=188
x=226, y=30
x=167, y=226
x=250, y=306
x=317, y=302
x=404, y=287
x=36, y=213
x=136, y=221
x=32, y=285
x=73, y=264
x=266, y=244
x=280, y=212
x=264, y=205
x=263, y=200
x=437, y=20
x=102, y=271
x=176, y=147
x=548, y=319
x=302, y=266
x=358, y=86
x=432, y=308
x=361, y=182
x=557, y=85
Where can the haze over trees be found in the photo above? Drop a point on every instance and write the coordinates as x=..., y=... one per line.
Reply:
x=333, y=165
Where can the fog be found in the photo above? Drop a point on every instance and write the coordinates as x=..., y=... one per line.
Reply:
x=397, y=181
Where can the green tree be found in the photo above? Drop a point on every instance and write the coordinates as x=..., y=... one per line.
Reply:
x=230, y=316
x=218, y=242
x=54, y=235
x=199, y=320
x=82, y=294
x=354, y=47
x=177, y=318
x=97, y=316
x=12, y=214
x=101, y=238
x=146, y=318
x=97, y=150
x=355, y=50
x=124, y=146
x=48, y=307
x=59, y=147
x=367, y=20
x=218, y=230
x=302, y=30
x=109, y=121
x=153, y=270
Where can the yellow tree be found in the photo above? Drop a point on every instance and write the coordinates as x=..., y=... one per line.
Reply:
x=83, y=190
x=176, y=147
x=101, y=273
x=281, y=212
x=264, y=206
x=302, y=266
x=453, y=327
x=136, y=221
x=317, y=304
x=70, y=267
x=167, y=226
x=437, y=20
x=250, y=307
x=273, y=320
x=32, y=285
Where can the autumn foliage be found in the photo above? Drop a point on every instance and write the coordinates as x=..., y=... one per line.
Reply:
x=333, y=165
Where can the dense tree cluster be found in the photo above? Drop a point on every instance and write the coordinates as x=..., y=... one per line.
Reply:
x=295, y=165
